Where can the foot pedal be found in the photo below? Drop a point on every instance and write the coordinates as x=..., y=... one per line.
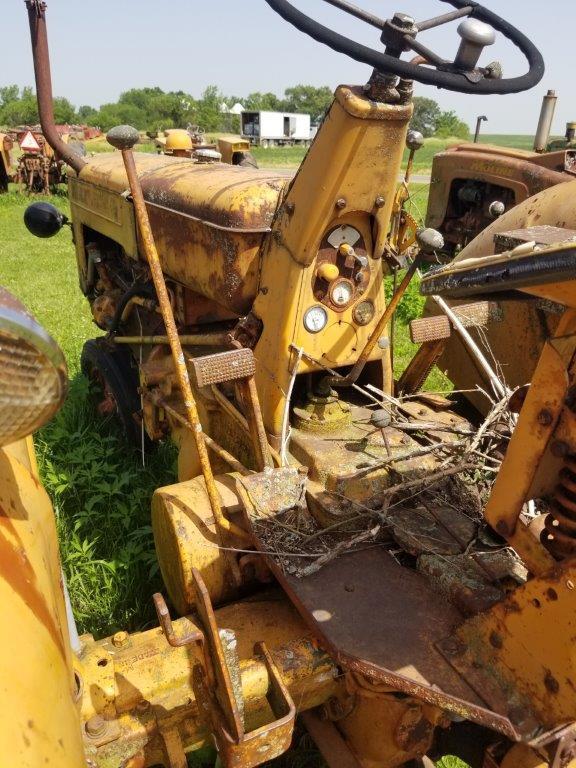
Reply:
x=439, y=327
x=233, y=365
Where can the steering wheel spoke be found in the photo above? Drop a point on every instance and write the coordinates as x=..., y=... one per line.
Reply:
x=399, y=34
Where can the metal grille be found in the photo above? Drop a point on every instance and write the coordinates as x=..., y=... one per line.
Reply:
x=224, y=366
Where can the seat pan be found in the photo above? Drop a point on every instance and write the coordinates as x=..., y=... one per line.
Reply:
x=221, y=195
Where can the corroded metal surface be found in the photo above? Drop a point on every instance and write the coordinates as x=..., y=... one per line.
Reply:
x=233, y=365
x=406, y=619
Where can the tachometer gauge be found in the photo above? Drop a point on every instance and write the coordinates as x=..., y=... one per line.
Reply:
x=363, y=312
x=315, y=319
x=341, y=293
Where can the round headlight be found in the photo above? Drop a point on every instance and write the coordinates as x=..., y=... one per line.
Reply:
x=33, y=375
x=315, y=319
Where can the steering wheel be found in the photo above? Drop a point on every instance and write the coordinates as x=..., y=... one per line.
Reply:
x=399, y=35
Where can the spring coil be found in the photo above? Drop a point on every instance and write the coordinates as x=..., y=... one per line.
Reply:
x=559, y=534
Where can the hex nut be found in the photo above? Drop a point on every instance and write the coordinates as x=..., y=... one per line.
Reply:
x=120, y=639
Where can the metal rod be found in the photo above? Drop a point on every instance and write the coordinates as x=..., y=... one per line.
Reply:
x=192, y=340
x=353, y=10
x=445, y=18
x=124, y=141
x=212, y=444
x=358, y=367
x=424, y=51
x=40, y=54
x=256, y=424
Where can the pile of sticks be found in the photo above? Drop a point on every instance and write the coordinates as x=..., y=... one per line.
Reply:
x=465, y=460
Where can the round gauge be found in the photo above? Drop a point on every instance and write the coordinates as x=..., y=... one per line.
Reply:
x=315, y=319
x=341, y=293
x=363, y=312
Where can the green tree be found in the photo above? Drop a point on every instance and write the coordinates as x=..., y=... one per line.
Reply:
x=8, y=93
x=425, y=117
x=309, y=99
x=262, y=102
x=449, y=124
x=85, y=111
x=64, y=111
x=208, y=114
x=23, y=111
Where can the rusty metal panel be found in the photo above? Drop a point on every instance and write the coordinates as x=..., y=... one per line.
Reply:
x=382, y=620
x=233, y=365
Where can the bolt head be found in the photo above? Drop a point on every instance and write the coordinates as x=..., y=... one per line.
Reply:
x=122, y=137
x=95, y=726
x=120, y=639
x=403, y=21
x=341, y=203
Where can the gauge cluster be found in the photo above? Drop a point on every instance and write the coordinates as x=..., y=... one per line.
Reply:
x=340, y=279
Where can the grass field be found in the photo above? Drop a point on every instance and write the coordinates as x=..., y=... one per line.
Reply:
x=291, y=157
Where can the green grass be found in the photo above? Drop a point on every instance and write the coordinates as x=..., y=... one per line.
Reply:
x=101, y=493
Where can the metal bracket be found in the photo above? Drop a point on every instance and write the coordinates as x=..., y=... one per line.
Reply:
x=218, y=685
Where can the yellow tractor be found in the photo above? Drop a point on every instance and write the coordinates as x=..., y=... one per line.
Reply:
x=337, y=546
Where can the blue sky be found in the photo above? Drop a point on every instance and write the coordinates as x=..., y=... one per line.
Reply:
x=103, y=47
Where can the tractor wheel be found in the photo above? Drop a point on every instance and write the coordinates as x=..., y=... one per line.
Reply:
x=245, y=160
x=115, y=384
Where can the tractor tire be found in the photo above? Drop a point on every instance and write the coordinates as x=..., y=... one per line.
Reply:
x=115, y=381
x=245, y=160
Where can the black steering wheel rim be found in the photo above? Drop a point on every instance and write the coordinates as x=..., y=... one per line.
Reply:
x=452, y=81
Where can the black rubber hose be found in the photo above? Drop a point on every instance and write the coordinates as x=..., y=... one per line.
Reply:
x=451, y=81
x=144, y=291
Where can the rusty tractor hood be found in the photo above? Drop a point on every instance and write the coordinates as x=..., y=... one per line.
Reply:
x=209, y=220
x=224, y=196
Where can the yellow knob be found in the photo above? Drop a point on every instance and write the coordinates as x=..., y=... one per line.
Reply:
x=328, y=271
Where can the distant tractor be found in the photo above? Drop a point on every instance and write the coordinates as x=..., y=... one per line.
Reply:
x=275, y=129
x=472, y=184
x=6, y=163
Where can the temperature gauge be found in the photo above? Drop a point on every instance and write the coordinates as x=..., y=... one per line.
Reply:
x=315, y=319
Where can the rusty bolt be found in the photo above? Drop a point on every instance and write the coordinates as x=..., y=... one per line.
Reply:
x=379, y=202
x=290, y=207
x=143, y=705
x=453, y=647
x=122, y=137
x=120, y=639
x=551, y=683
x=502, y=527
x=95, y=726
x=559, y=449
x=496, y=640
x=545, y=418
x=341, y=203
x=518, y=715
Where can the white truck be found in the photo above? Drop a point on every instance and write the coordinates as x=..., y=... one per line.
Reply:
x=275, y=129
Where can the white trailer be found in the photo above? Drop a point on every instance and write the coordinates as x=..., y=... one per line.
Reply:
x=272, y=129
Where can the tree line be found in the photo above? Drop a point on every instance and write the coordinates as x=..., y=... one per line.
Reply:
x=152, y=109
